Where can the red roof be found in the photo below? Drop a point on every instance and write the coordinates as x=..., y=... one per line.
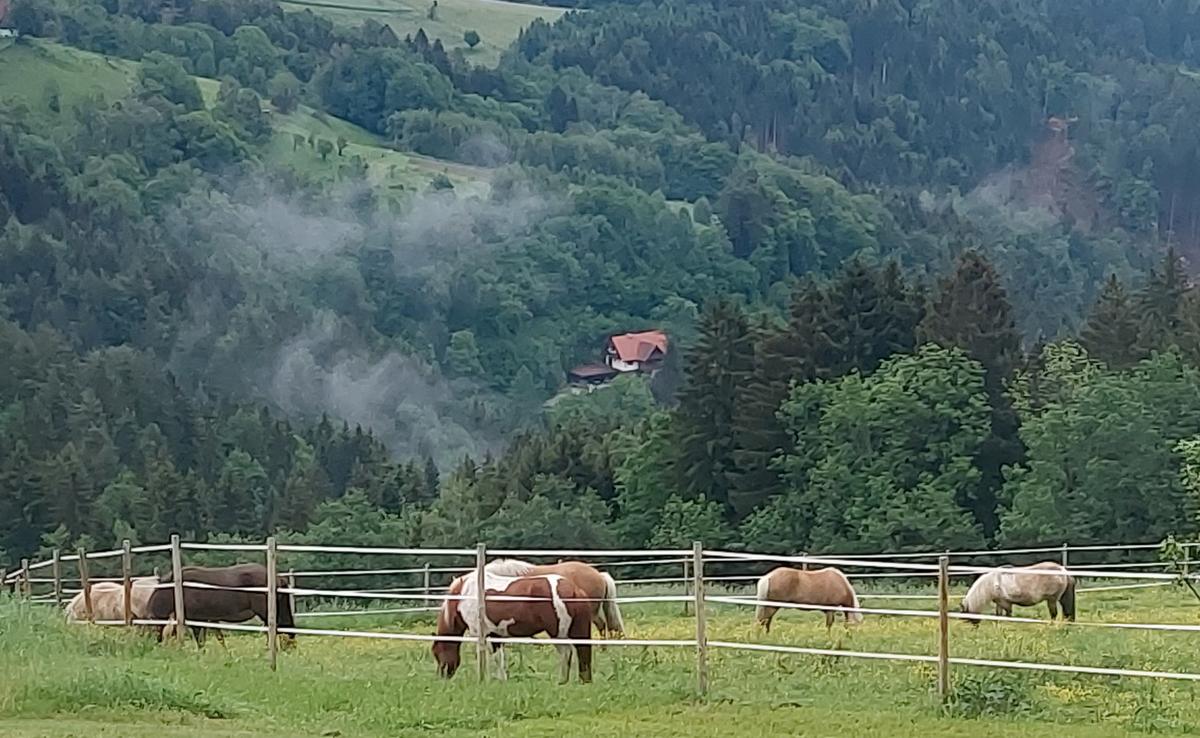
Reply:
x=639, y=346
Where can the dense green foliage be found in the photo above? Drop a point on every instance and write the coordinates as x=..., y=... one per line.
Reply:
x=853, y=219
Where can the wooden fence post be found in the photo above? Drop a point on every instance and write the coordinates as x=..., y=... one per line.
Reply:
x=686, y=581
x=272, y=604
x=804, y=564
x=85, y=583
x=56, y=569
x=127, y=582
x=481, y=644
x=3, y=579
x=177, y=579
x=1064, y=556
x=943, y=662
x=26, y=585
x=425, y=602
x=701, y=625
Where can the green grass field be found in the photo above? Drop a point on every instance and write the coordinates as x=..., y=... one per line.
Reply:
x=497, y=22
x=30, y=68
x=64, y=680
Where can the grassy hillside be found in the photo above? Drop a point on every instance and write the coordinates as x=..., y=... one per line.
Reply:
x=497, y=22
x=32, y=69
x=99, y=682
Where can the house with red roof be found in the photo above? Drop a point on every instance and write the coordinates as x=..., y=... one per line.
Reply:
x=642, y=351
x=636, y=352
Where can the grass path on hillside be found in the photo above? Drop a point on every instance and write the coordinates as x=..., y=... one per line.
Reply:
x=62, y=680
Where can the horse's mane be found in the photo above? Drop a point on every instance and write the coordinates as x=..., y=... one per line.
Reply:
x=509, y=567
x=978, y=596
x=449, y=608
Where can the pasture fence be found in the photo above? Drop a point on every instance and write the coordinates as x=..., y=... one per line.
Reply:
x=700, y=592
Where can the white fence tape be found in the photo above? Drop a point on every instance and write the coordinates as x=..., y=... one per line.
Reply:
x=352, y=613
x=223, y=546
x=294, y=548
x=821, y=651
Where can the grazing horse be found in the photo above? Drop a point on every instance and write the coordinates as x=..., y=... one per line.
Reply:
x=223, y=600
x=1023, y=586
x=597, y=587
x=828, y=587
x=549, y=604
x=108, y=600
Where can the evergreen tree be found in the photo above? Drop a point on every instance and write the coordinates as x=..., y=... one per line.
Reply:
x=22, y=514
x=432, y=481
x=863, y=318
x=1112, y=332
x=68, y=492
x=782, y=356
x=871, y=315
x=1160, y=304
x=719, y=363
x=971, y=311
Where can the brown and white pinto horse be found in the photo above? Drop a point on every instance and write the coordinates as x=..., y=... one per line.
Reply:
x=598, y=588
x=543, y=604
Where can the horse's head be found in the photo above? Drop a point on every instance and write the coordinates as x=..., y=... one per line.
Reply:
x=962, y=607
x=448, y=657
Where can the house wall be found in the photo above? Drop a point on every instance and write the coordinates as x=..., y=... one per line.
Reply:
x=624, y=366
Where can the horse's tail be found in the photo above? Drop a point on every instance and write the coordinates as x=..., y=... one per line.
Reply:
x=612, y=614
x=1067, y=600
x=763, y=613
x=851, y=616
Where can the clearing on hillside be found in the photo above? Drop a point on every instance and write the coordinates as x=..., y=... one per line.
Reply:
x=34, y=71
x=497, y=22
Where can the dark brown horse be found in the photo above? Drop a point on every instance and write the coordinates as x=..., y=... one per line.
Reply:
x=223, y=600
x=548, y=604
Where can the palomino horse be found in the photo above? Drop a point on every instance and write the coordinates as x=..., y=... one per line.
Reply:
x=541, y=604
x=1023, y=586
x=598, y=588
x=108, y=600
x=223, y=598
x=828, y=587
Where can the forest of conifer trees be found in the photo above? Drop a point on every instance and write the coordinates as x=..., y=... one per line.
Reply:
x=925, y=269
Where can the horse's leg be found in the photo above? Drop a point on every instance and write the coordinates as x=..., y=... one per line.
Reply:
x=565, y=653
x=830, y=616
x=585, y=663
x=1053, y=605
x=501, y=661
x=198, y=636
x=765, y=615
